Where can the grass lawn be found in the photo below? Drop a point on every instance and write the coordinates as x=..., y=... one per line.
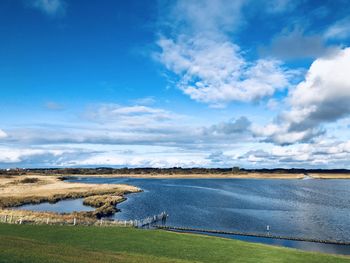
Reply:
x=29, y=243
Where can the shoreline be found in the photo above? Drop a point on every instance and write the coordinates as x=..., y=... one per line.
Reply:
x=285, y=176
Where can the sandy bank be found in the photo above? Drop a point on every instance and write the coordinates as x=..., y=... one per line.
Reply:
x=19, y=190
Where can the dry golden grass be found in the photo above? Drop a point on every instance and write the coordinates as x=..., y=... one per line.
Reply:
x=105, y=204
x=19, y=190
x=330, y=176
x=100, y=200
x=51, y=185
x=13, y=216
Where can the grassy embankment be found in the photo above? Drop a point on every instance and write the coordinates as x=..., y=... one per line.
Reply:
x=29, y=243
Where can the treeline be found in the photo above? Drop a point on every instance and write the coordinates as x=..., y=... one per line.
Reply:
x=174, y=170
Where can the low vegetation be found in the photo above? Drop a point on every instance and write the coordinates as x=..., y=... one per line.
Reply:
x=15, y=201
x=19, y=190
x=28, y=180
x=105, y=204
x=115, y=244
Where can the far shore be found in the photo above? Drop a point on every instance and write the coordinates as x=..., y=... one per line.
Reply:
x=222, y=176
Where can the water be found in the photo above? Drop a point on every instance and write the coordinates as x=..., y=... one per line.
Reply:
x=304, y=245
x=300, y=208
x=305, y=208
x=64, y=206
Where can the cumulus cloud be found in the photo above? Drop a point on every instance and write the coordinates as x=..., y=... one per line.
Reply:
x=208, y=66
x=323, y=97
x=322, y=154
x=215, y=72
x=50, y=7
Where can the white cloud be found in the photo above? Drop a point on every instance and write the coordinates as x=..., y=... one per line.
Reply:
x=209, y=67
x=160, y=159
x=85, y=155
x=178, y=135
x=50, y=7
x=117, y=126
x=339, y=30
x=131, y=115
x=214, y=71
x=205, y=16
x=323, y=97
x=37, y=156
x=3, y=134
x=322, y=154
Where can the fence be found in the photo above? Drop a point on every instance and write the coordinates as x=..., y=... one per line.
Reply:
x=15, y=219
x=151, y=220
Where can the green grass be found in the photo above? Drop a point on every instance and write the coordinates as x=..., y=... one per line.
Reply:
x=29, y=243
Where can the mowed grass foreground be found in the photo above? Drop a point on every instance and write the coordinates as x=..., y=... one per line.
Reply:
x=44, y=243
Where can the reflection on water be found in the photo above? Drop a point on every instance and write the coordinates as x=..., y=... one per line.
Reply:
x=64, y=206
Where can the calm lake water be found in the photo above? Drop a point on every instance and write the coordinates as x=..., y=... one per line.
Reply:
x=300, y=208
x=64, y=206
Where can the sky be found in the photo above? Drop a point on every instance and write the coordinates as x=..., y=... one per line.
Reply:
x=206, y=83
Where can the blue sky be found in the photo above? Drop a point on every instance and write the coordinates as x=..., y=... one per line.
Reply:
x=210, y=83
